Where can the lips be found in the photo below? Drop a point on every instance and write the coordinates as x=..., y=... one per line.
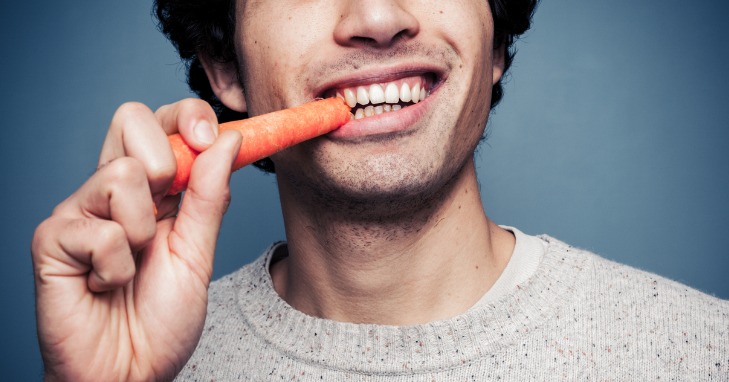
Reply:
x=378, y=97
x=384, y=100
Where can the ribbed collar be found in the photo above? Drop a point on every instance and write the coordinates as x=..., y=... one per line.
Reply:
x=380, y=349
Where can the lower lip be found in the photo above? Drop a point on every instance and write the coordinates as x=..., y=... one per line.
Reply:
x=385, y=123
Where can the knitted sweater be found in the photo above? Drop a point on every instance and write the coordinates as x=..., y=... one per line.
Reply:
x=578, y=317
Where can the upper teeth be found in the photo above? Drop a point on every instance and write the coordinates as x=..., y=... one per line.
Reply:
x=390, y=94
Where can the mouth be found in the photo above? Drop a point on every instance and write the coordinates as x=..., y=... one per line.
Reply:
x=368, y=99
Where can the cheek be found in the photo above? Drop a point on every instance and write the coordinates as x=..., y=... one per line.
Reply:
x=467, y=26
x=277, y=43
x=477, y=54
x=262, y=68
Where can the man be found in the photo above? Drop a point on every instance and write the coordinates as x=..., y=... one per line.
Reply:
x=391, y=270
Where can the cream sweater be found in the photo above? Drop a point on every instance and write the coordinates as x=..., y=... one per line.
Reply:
x=578, y=317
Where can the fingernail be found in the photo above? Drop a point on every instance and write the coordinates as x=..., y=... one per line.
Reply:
x=204, y=132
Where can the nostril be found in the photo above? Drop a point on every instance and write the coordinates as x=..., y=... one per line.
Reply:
x=367, y=41
x=402, y=35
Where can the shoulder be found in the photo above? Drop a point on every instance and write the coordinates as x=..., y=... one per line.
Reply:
x=646, y=318
x=627, y=287
x=613, y=280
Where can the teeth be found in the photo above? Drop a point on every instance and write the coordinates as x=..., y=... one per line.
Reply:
x=416, y=93
x=362, y=97
x=350, y=97
x=405, y=95
x=359, y=114
x=377, y=95
x=375, y=99
x=392, y=95
x=369, y=111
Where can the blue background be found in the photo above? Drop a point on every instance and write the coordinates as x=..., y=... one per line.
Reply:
x=612, y=136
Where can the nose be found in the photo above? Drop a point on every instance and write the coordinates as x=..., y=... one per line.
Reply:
x=374, y=23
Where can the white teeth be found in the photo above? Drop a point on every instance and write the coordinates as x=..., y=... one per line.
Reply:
x=350, y=97
x=405, y=95
x=362, y=97
x=377, y=95
x=375, y=99
x=369, y=111
x=392, y=95
x=416, y=93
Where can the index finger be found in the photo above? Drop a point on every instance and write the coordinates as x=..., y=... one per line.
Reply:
x=135, y=132
x=194, y=119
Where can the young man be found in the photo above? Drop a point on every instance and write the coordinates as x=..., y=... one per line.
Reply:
x=391, y=270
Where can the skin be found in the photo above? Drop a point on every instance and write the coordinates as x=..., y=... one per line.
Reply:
x=385, y=229
x=121, y=293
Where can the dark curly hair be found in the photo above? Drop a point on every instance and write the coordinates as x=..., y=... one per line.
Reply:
x=207, y=27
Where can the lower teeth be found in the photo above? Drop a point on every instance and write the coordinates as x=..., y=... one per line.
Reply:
x=371, y=110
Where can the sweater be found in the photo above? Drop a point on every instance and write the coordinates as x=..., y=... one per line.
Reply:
x=577, y=317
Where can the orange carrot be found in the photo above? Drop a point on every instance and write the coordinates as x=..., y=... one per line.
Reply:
x=267, y=134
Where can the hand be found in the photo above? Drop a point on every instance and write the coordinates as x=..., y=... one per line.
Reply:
x=121, y=294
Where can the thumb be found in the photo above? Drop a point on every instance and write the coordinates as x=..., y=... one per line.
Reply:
x=196, y=228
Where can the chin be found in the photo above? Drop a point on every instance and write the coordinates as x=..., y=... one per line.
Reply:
x=382, y=188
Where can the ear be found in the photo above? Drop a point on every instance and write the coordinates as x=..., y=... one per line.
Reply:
x=223, y=77
x=499, y=61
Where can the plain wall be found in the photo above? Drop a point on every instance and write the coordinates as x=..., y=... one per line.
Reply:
x=612, y=136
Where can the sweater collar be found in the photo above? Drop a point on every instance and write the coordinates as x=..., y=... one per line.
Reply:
x=382, y=349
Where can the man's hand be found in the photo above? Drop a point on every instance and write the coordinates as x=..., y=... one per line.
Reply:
x=121, y=293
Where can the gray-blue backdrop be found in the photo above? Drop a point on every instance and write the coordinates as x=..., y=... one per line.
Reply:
x=613, y=136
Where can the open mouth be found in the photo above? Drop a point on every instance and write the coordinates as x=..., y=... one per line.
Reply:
x=367, y=100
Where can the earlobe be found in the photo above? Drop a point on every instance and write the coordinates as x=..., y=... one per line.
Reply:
x=499, y=59
x=223, y=77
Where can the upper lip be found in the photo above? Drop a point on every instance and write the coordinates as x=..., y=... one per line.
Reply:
x=379, y=75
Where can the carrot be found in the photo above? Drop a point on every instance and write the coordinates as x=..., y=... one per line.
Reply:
x=267, y=134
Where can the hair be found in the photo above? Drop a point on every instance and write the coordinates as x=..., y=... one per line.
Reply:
x=208, y=27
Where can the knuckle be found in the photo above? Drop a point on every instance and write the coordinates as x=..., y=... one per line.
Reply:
x=195, y=104
x=127, y=270
x=60, y=209
x=124, y=170
x=43, y=235
x=129, y=110
x=225, y=201
x=68, y=207
x=193, y=108
x=163, y=109
x=162, y=170
x=111, y=235
x=120, y=274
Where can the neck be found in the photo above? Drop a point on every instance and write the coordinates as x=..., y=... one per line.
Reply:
x=430, y=264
